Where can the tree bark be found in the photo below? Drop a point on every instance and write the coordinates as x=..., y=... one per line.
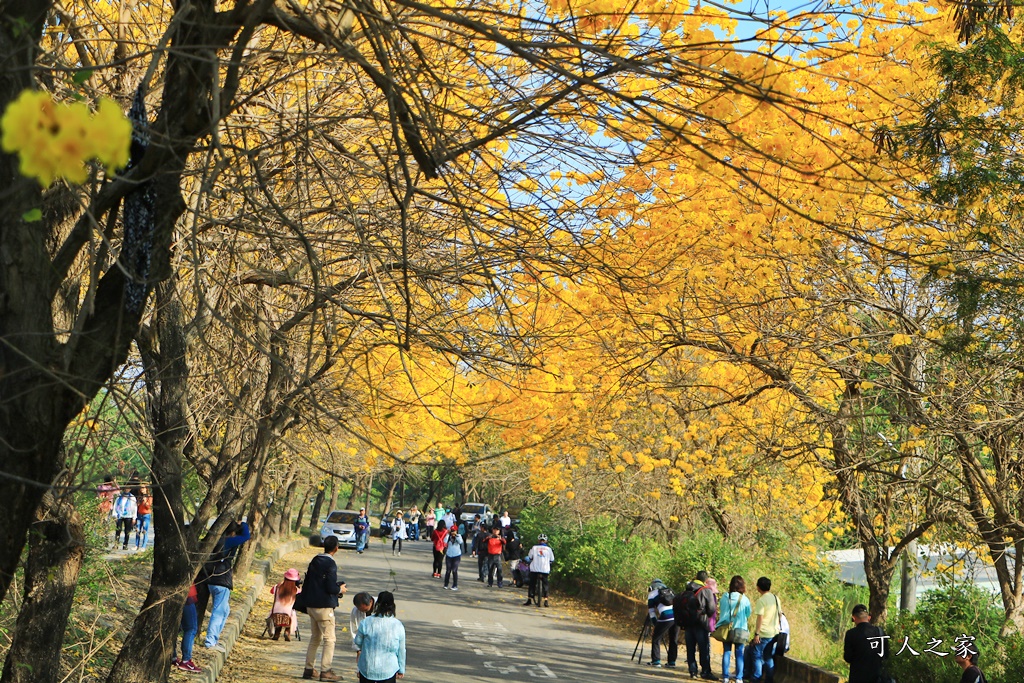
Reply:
x=302, y=508
x=389, y=498
x=314, y=516
x=55, y=555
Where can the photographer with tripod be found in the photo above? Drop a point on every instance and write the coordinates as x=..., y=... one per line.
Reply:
x=662, y=620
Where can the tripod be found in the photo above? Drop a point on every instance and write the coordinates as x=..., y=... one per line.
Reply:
x=640, y=642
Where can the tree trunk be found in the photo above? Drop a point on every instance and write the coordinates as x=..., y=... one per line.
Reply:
x=146, y=652
x=302, y=508
x=390, y=495
x=256, y=519
x=314, y=516
x=55, y=554
x=284, y=521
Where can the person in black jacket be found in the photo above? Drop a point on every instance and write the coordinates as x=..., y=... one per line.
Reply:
x=218, y=573
x=320, y=591
x=865, y=648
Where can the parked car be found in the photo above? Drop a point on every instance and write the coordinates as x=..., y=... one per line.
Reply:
x=340, y=523
x=471, y=510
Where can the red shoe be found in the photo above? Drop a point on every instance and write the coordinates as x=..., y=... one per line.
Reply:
x=190, y=666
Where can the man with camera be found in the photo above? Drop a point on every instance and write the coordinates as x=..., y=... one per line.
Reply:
x=321, y=591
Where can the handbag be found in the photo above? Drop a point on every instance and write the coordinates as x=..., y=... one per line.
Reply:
x=739, y=636
x=300, y=602
x=781, y=638
x=723, y=631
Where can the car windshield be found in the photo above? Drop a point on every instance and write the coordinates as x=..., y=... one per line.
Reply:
x=342, y=517
x=474, y=508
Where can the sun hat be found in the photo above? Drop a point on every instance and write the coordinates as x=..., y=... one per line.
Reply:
x=292, y=574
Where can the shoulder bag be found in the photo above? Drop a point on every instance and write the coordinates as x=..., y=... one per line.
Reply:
x=739, y=636
x=722, y=631
x=781, y=638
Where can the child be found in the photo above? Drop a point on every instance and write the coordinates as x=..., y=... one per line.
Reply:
x=363, y=606
x=283, y=612
x=189, y=628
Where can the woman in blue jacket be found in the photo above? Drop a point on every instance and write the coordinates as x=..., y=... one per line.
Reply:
x=381, y=643
x=734, y=609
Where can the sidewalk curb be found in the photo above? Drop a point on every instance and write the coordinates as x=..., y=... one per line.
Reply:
x=258, y=579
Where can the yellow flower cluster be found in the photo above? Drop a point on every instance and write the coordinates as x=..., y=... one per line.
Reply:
x=55, y=140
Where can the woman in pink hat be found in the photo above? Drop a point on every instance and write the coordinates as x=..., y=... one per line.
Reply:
x=283, y=613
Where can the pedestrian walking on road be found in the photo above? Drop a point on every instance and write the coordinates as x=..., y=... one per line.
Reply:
x=124, y=511
x=495, y=555
x=440, y=540
x=864, y=648
x=322, y=590
x=361, y=530
x=283, y=612
x=453, y=556
x=480, y=551
x=540, y=558
x=429, y=520
x=397, y=532
x=734, y=609
x=143, y=516
x=362, y=605
x=381, y=643
x=414, y=524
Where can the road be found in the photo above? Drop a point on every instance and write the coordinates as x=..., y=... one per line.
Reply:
x=476, y=634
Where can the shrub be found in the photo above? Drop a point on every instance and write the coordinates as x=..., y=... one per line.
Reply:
x=944, y=615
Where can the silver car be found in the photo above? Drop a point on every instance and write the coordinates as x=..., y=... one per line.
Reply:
x=340, y=523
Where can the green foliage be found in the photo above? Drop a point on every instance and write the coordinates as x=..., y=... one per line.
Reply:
x=946, y=614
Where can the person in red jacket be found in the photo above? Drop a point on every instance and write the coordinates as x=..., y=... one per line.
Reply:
x=495, y=550
x=440, y=538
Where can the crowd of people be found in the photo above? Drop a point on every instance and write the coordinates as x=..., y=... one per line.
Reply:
x=129, y=508
x=753, y=629
x=753, y=635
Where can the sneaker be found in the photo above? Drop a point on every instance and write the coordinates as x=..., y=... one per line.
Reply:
x=445, y=586
x=217, y=648
x=529, y=601
x=329, y=675
x=655, y=663
x=455, y=588
x=174, y=661
x=480, y=580
x=545, y=602
x=670, y=665
x=399, y=553
x=190, y=666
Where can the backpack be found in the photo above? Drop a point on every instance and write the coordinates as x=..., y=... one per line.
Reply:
x=681, y=607
x=666, y=595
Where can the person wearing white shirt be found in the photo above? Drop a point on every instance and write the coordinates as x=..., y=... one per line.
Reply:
x=124, y=511
x=540, y=558
x=397, y=532
x=505, y=520
x=363, y=606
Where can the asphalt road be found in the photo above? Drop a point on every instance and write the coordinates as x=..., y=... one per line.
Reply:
x=475, y=634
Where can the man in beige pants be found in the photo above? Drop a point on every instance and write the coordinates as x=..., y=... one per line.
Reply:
x=321, y=591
